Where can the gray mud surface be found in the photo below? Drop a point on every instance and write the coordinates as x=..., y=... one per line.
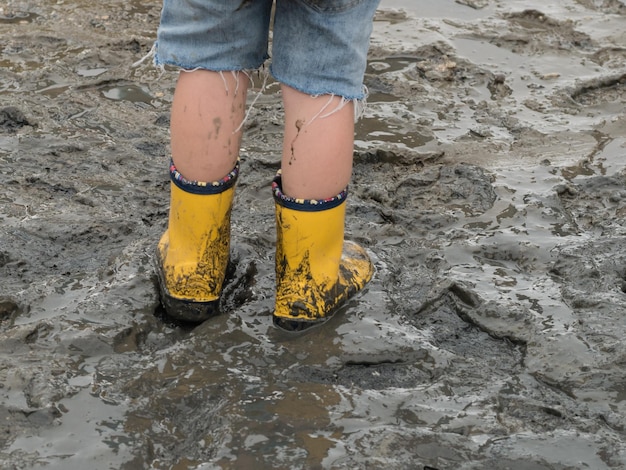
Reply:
x=489, y=187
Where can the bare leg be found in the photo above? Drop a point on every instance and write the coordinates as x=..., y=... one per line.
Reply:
x=316, y=270
x=208, y=109
x=318, y=145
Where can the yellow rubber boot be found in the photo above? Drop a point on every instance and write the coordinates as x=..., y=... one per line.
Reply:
x=316, y=270
x=193, y=253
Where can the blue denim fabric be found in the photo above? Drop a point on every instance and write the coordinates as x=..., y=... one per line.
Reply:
x=318, y=46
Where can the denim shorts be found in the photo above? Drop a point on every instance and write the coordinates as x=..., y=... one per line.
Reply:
x=319, y=47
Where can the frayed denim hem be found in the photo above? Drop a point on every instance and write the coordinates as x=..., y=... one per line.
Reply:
x=359, y=100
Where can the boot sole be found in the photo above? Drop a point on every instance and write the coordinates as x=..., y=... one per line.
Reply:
x=182, y=310
x=298, y=326
x=302, y=324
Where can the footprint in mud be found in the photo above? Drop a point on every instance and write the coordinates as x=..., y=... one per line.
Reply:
x=597, y=202
x=532, y=31
x=605, y=91
x=18, y=17
x=9, y=310
x=617, y=7
x=12, y=119
x=238, y=284
x=610, y=57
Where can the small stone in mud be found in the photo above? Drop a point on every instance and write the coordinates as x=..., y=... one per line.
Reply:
x=163, y=120
x=499, y=78
x=550, y=75
x=11, y=119
x=475, y=4
x=8, y=308
x=498, y=88
x=565, y=190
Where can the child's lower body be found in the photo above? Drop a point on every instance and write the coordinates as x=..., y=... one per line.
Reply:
x=319, y=50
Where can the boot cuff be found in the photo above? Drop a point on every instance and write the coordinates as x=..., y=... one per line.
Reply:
x=307, y=205
x=199, y=187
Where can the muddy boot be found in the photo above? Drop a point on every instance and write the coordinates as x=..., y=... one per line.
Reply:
x=193, y=253
x=316, y=271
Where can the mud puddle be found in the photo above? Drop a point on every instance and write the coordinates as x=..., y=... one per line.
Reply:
x=489, y=187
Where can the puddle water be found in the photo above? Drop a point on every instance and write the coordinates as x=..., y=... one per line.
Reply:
x=17, y=17
x=131, y=93
x=89, y=435
x=370, y=133
x=441, y=9
x=610, y=158
x=92, y=72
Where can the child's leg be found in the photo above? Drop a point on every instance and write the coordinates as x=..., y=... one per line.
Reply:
x=207, y=37
x=207, y=113
x=317, y=146
x=320, y=49
x=316, y=271
x=193, y=253
x=319, y=56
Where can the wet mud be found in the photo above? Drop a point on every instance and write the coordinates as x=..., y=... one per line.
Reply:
x=489, y=187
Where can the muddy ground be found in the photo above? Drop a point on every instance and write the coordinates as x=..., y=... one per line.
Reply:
x=489, y=187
